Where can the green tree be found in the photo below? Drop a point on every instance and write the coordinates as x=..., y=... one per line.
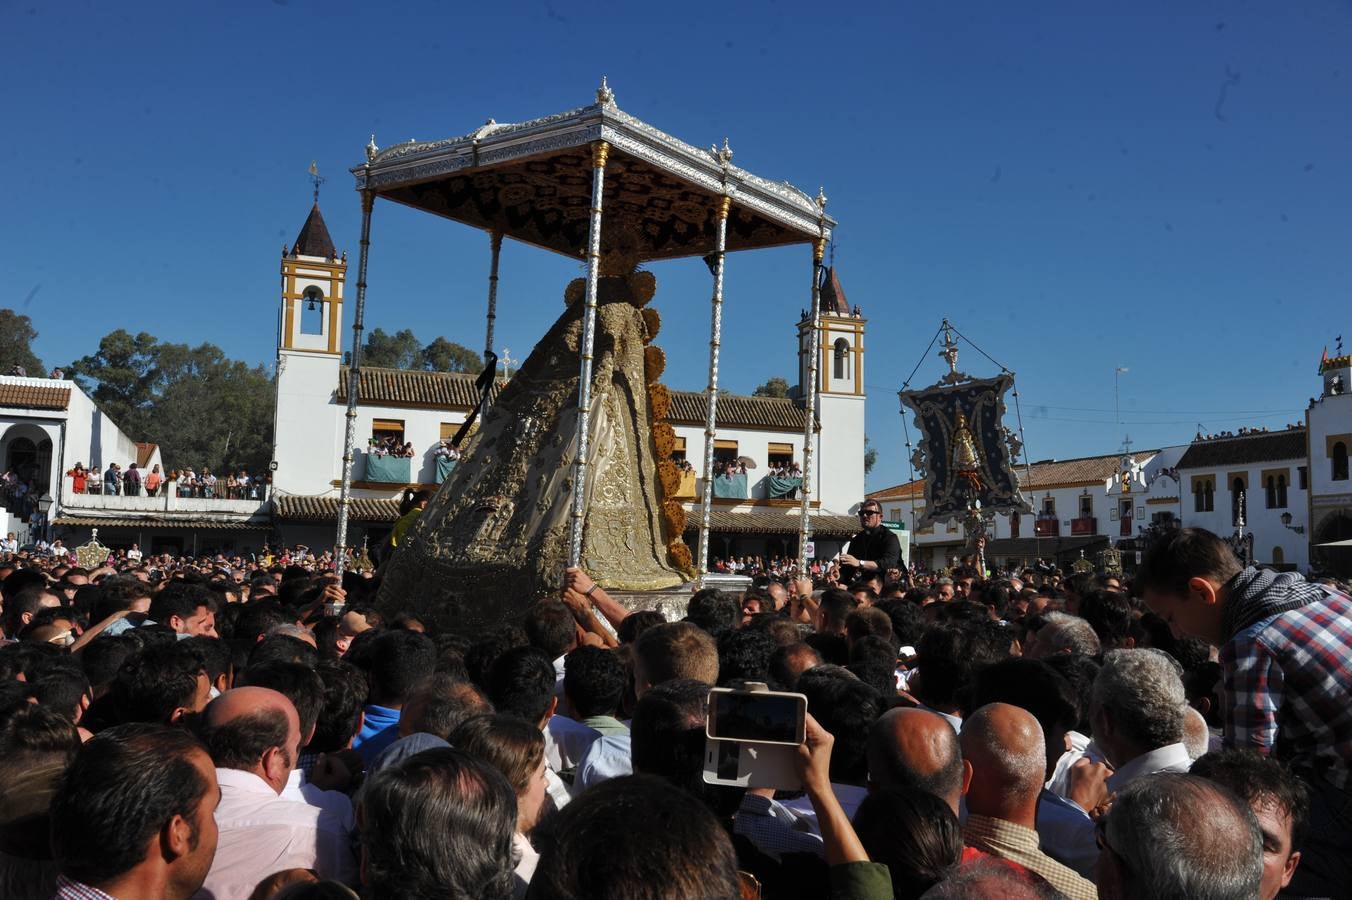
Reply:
x=447, y=356
x=202, y=408
x=400, y=350
x=16, y=344
x=215, y=412
x=122, y=377
x=775, y=387
x=870, y=455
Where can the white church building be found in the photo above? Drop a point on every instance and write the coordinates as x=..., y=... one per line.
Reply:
x=423, y=408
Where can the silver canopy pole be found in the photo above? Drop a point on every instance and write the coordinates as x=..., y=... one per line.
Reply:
x=810, y=396
x=600, y=152
x=711, y=415
x=368, y=199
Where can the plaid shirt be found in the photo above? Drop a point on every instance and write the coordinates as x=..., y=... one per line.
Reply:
x=1288, y=688
x=1006, y=840
x=66, y=889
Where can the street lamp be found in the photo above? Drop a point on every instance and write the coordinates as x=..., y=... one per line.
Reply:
x=45, y=506
x=1286, y=520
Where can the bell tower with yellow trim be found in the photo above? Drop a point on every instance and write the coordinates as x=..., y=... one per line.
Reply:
x=840, y=391
x=312, y=290
x=309, y=351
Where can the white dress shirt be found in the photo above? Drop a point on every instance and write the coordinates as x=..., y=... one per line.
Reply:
x=262, y=833
x=1169, y=758
x=565, y=741
x=559, y=665
x=608, y=757
x=528, y=859
x=333, y=803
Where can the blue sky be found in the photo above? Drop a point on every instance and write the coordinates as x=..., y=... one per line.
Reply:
x=1079, y=186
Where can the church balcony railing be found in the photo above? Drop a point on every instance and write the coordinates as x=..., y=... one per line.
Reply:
x=1085, y=525
x=169, y=498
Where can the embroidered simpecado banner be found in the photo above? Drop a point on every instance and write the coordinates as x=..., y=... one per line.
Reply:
x=964, y=449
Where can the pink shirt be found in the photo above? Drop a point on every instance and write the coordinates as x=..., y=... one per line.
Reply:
x=263, y=833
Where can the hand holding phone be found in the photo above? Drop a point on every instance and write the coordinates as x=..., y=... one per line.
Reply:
x=752, y=736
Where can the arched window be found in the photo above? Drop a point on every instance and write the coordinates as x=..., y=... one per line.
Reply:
x=1340, y=461
x=1014, y=520
x=312, y=311
x=1278, y=556
x=1203, y=495
x=1271, y=487
x=1281, y=491
x=842, y=359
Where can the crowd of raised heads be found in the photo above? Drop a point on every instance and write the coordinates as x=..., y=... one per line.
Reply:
x=245, y=731
x=138, y=481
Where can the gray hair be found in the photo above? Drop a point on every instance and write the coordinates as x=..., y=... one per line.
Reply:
x=1070, y=633
x=1196, y=735
x=1183, y=836
x=1143, y=689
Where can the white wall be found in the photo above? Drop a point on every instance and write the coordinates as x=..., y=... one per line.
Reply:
x=841, y=482
x=1266, y=525
x=309, y=425
x=421, y=426
x=1329, y=415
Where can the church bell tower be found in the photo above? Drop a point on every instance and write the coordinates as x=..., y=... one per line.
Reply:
x=306, y=430
x=312, y=290
x=840, y=391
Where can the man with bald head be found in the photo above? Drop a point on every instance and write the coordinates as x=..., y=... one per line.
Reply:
x=1004, y=758
x=253, y=735
x=916, y=748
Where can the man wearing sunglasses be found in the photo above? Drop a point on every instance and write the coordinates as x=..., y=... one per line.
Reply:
x=875, y=549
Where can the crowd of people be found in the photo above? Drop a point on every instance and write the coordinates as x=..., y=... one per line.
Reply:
x=136, y=481
x=251, y=727
x=389, y=446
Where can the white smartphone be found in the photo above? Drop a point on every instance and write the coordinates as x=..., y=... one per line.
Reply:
x=752, y=736
x=758, y=714
x=750, y=765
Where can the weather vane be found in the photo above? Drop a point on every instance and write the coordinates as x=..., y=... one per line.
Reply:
x=315, y=177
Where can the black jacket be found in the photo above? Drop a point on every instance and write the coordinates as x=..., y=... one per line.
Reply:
x=878, y=545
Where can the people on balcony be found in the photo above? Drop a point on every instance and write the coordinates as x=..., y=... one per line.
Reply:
x=78, y=478
x=131, y=481
x=730, y=468
x=112, y=479
x=389, y=446
x=153, y=481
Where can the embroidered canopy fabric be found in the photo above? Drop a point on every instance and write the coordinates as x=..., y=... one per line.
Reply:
x=964, y=449
x=531, y=181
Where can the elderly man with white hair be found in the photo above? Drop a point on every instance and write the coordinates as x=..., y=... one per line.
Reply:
x=1137, y=711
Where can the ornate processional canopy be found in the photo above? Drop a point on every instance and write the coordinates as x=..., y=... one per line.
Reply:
x=532, y=182
x=965, y=453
